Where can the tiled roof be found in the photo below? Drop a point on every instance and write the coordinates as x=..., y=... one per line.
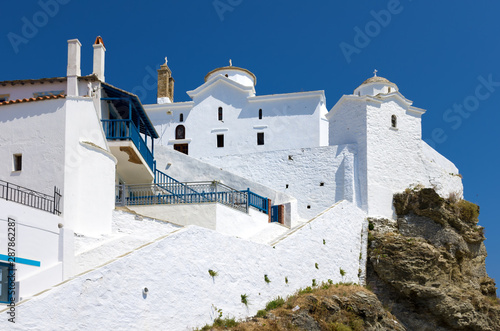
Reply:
x=47, y=97
x=44, y=80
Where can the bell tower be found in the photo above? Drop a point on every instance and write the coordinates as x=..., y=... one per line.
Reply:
x=165, y=84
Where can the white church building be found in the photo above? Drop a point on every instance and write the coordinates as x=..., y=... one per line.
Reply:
x=121, y=209
x=366, y=148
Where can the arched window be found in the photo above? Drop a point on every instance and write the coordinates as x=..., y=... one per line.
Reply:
x=260, y=114
x=181, y=117
x=220, y=114
x=394, y=121
x=180, y=132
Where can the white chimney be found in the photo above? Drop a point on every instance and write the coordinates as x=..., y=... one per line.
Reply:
x=99, y=51
x=73, y=71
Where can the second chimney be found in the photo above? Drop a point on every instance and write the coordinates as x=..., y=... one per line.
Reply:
x=99, y=51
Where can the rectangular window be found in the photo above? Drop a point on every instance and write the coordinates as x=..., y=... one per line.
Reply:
x=260, y=138
x=220, y=114
x=220, y=140
x=18, y=162
x=4, y=97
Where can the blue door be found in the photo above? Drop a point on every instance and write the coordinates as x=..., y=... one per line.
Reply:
x=275, y=214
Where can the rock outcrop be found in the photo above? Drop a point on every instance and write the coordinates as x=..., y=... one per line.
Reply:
x=327, y=307
x=429, y=265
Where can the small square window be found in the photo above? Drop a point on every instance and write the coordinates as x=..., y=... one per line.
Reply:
x=260, y=138
x=18, y=162
x=220, y=140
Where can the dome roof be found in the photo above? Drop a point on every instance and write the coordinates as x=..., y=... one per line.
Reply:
x=248, y=72
x=378, y=79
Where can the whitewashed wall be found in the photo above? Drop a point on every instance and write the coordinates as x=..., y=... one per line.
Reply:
x=289, y=120
x=389, y=159
x=212, y=216
x=37, y=237
x=22, y=91
x=89, y=170
x=182, y=294
x=36, y=130
x=302, y=170
x=187, y=169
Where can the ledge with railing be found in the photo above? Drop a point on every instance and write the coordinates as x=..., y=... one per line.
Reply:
x=126, y=129
x=187, y=192
x=181, y=193
x=31, y=198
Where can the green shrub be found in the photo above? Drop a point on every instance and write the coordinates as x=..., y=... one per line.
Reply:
x=212, y=273
x=226, y=322
x=261, y=313
x=371, y=226
x=469, y=212
x=266, y=279
x=314, y=283
x=244, y=299
x=276, y=303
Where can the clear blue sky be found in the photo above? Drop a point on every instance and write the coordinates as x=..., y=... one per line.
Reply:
x=437, y=52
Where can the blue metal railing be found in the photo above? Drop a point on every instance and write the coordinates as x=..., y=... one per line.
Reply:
x=258, y=202
x=126, y=129
x=181, y=193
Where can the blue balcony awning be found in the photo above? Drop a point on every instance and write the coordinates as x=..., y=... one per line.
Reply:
x=123, y=101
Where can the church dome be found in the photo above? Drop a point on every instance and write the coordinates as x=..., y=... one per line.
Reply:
x=239, y=75
x=376, y=85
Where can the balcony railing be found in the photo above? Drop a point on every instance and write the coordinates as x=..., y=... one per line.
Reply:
x=31, y=198
x=126, y=129
x=181, y=193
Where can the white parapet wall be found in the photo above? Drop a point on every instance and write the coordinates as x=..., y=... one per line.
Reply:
x=214, y=216
x=182, y=295
x=37, y=238
x=316, y=177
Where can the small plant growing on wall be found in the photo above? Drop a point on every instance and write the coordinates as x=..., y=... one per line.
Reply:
x=370, y=226
x=244, y=299
x=266, y=279
x=212, y=273
x=314, y=283
x=316, y=265
x=330, y=281
x=324, y=242
x=342, y=273
x=286, y=280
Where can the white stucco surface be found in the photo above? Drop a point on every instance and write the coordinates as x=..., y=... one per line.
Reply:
x=128, y=233
x=42, y=162
x=389, y=159
x=299, y=173
x=187, y=169
x=290, y=120
x=212, y=216
x=111, y=297
x=37, y=237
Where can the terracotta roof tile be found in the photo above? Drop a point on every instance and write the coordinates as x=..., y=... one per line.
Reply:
x=47, y=97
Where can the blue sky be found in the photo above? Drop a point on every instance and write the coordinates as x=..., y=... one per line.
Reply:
x=439, y=53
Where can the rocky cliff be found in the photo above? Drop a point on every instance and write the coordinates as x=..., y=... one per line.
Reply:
x=429, y=265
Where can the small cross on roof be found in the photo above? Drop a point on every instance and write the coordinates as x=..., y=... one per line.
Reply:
x=375, y=73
